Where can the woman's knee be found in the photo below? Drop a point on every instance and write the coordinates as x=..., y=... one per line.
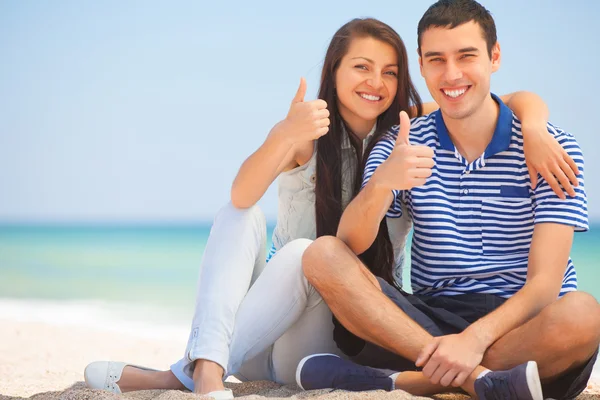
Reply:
x=296, y=247
x=291, y=254
x=251, y=212
x=229, y=214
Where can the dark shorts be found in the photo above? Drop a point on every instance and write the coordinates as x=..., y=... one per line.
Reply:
x=446, y=315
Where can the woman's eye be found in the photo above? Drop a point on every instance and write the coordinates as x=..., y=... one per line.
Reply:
x=361, y=67
x=392, y=73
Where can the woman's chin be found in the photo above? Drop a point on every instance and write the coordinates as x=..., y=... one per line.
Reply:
x=369, y=117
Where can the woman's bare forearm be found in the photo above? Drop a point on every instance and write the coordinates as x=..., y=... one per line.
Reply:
x=262, y=167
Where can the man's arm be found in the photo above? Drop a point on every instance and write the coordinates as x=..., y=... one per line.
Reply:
x=391, y=167
x=548, y=258
x=459, y=354
x=555, y=221
x=366, y=211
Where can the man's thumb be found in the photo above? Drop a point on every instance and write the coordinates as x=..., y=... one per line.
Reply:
x=299, y=97
x=404, y=129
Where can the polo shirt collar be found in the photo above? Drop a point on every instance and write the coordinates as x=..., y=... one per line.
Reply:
x=500, y=139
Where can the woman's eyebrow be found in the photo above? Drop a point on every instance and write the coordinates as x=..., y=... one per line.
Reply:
x=373, y=62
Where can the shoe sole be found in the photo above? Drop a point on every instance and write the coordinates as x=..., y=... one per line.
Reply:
x=225, y=394
x=304, y=360
x=533, y=381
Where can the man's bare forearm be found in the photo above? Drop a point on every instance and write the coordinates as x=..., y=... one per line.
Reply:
x=520, y=308
x=548, y=258
x=360, y=222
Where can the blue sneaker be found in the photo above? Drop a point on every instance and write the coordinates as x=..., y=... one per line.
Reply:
x=323, y=371
x=520, y=383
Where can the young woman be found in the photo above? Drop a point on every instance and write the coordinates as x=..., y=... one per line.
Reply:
x=255, y=324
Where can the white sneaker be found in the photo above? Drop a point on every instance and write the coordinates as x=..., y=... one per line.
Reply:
x=105, y=374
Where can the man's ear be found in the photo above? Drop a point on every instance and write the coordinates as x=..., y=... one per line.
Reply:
x=496, y=57
x=420, y=61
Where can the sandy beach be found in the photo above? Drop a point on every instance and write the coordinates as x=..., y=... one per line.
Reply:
x=43, y=359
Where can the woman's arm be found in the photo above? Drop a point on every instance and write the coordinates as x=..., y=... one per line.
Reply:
x=286, y=147
x=543, y=154
x=256, y=174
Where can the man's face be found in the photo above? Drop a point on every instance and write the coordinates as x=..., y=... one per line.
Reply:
x=457, y=68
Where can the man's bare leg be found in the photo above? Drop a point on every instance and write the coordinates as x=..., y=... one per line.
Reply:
x=563, y=336
x=417, y=384
x=355, y=298
x=549, y=338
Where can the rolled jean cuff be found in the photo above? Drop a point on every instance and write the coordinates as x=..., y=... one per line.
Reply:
x=184, y=368
x=216, y=356
x=178, y=369
x=203, y=346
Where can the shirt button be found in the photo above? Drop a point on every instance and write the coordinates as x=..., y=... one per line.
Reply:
x=466, y=191
x=313, y=178
x=467, y=172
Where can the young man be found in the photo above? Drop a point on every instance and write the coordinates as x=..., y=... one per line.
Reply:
x=494, y=285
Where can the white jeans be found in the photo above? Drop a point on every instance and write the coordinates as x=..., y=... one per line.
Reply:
x=261, y=333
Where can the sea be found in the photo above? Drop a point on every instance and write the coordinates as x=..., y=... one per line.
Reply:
x=86, y=274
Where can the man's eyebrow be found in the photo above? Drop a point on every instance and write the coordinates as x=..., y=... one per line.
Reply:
x=433, y=54
x=463, y=50
x=372, y=62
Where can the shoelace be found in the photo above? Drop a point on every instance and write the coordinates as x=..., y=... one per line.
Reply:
x=498, y=388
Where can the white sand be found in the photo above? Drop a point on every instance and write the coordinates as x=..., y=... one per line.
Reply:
x=43, y=352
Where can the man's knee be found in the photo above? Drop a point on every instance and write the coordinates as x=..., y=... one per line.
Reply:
x=318, y=260
x=583, y=312
x=574, y=319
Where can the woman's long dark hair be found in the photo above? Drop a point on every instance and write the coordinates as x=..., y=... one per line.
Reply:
x=379, y=258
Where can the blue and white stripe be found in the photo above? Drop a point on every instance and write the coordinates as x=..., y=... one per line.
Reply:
x=272, y=252
x=473, y=223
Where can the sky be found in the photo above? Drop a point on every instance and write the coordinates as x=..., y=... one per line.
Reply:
x=143, y=111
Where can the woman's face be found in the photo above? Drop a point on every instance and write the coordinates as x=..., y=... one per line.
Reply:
x=366, y=82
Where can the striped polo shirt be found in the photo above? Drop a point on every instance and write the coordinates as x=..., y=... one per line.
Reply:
x=473, y=222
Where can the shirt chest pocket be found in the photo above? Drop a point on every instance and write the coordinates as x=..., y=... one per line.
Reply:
x=506, y=227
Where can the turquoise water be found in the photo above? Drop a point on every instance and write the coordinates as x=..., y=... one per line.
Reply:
x=146, y=265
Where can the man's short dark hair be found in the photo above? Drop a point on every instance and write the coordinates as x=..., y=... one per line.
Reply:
x=452, y=13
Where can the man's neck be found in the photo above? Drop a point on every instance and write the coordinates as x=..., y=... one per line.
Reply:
x=472, y=135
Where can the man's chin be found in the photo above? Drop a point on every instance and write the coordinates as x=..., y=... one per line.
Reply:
x=456, y=113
